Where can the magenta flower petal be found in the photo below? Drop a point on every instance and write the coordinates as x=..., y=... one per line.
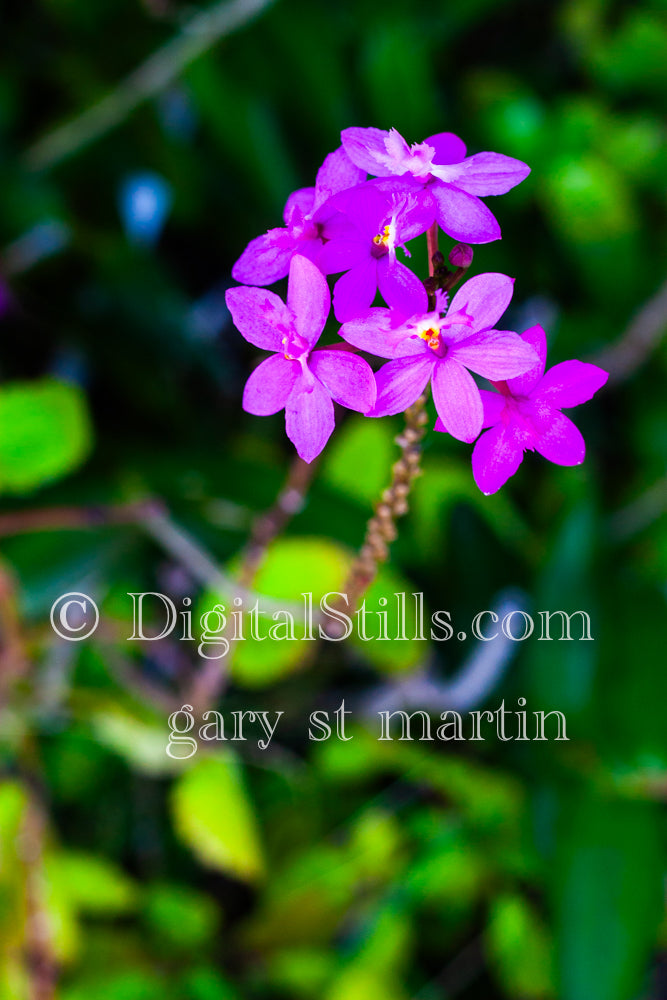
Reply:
x=495, y=457
x=400, y=383
x=309, y=419
x=493, y=404
x=341, y=255
x=411, y=345
x=495, y=354
x=484, y=298
x=265, y=259
x=570, y=383
x=448, y=147
x=463, y=216
x=302, y=200
x=376, y=332
x=337, y=173
x=367, y=148
x=484, y=174
x=355, y=291
x=366, y=206
x=260, y=316
x=416, y=211
x=270, y=384
x=308, y=298
x=336, y=226
x=348, y=378
x=560, y=441
x=523, y=384
x=400, y=287
x=457, y=400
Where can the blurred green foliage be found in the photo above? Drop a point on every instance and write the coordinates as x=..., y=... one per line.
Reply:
x=358, y=870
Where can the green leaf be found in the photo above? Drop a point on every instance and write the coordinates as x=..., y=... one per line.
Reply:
x=92, y=884
x=608, y=885
x=446, y=483
x=13, y=805
x=179, y=917
x=560, y=672
x=588, y=200
x=398, y=654
x=136, y=735
x=118, y=984
x=359, y=459
x=358, y=982
x=449, y=871
x=206, y=983
x=213, y=816
x=44, y=433
x=292, y=567
x=519, y=949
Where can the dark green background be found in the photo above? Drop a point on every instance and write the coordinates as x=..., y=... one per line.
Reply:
x=364, y=870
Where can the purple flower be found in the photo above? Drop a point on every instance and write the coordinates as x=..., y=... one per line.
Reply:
x=362, y=240
x=295, y=377
x=267, y=258
x=525, y=415
x=450, y=182
x=444, y=350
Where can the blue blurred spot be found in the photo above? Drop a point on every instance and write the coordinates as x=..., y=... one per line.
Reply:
x=145, y=202
x=208, y=315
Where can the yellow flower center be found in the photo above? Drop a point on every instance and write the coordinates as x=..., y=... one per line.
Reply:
x=382, y=239
x=432, y=338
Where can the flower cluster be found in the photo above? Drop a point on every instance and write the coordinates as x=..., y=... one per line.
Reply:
x=352, y=226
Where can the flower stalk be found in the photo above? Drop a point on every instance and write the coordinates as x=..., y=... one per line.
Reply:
x=381, y=529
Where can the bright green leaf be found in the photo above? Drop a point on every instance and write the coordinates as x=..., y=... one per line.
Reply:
x=213, y=816
x=44, y=433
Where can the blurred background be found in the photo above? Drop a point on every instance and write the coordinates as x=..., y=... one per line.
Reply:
x=142, y=144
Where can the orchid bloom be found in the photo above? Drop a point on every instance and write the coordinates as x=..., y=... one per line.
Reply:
x=449, y=182
x=267, y=258
x=444, y=350
x=297, y=378
x=524, y=415
x=362, y=240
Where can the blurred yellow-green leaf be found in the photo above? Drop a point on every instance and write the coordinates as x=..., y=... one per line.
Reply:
x=213, y=816
x=44, y=433
x=519, y=949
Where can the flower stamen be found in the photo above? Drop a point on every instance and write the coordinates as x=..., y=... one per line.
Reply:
x=382, y=239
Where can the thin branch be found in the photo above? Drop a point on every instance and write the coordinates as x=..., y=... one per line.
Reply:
x=479, y=675
x=21, y=522
x=154, y=518
x=198, y=34
x=209, y=681
x=431, y=250
x=13, y=656
x=269, y=525
x=640, y=339
x=41, y=962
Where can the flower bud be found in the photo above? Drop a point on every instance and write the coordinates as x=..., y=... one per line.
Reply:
x=461, y=255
